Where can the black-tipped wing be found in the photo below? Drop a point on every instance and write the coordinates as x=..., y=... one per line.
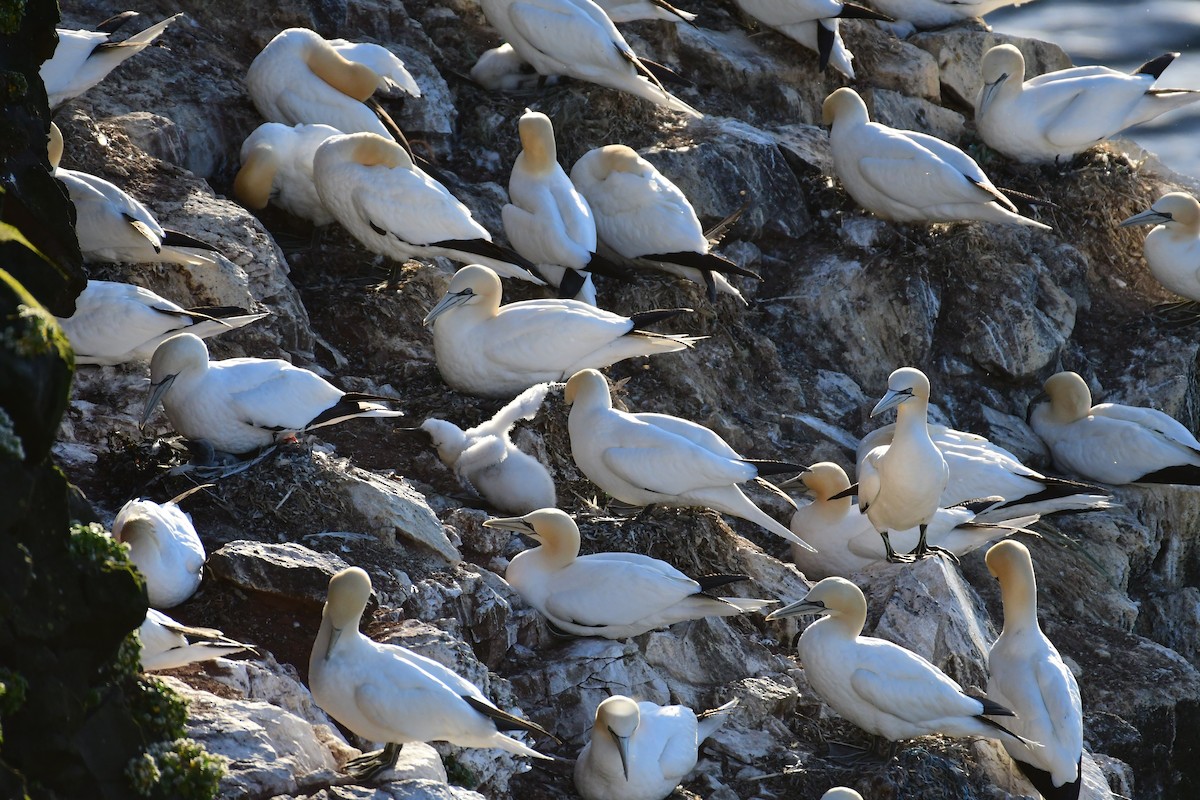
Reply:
x=1156, y=66
x=710, y=582
x=642, y=319
x=768, y=466
x=505, y=721
x=705, y=262
x=179, y=239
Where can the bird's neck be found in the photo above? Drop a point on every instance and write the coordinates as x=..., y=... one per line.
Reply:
x=558, y=554
x=912, y=419
x=1020, y=605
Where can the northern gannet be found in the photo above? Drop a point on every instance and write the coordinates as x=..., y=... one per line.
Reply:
x=940, y=13
x=389, y=694
x=277, y=167
x=900, y=484
x=394, y=79
x=881, y=687
x=241, y=404
x=1110, y=442
x=614, y=595
x=490, y=350
x=115, y=323
x=814, y=24
x=1172, y=248
x=164, y=547
x=846, y=541
x=392, y=207
x=630, y=10
x=166, y=644
x=641, y=215
x=83, y=58
x=576, y=38
x=908, y=176
x=501, y=69
x=641, y=751
x=1027, y=674
x=489, y=464
x=1060, y=114
x=841, y=793
x=647, y=459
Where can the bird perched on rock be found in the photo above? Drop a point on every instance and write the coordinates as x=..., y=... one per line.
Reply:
x=641, y=751
x=389, y=694
x=642, y=216
x=241, y=404
x=502, y=69
x=814, y=24
x=645, y=459
x=881, y=687
x=489, y=464
x=1110, y=442
x=166, y=644
x=490, y=350
x=925, y=14
x=277, y=167
x=115, y=323
x=908, y=176
x=1027, y=674
x=631, y=10
x=1172, y=248
x=614, y=595
x=1060, y=114
x=164, y=547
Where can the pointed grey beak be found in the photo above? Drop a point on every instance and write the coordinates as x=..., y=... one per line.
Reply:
x=333, y=637
x=796, y=609
x=1147, y=217
x=1040, y=397
x=989, y=92
x=892, y=399
x=447, y=302
x=514, y=524
x=623, y=750
x=157, y=391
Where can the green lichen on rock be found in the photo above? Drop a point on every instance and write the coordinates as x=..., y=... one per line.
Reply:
x=159, y=709
x=32, y=332
x=11, y=13
x=181, y=769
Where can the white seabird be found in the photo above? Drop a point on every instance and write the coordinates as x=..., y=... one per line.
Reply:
x=841, y=793
x=164, y=547
x=1172, y=248
x=631, y=10
x=1027, y=674
x=814, y=24
x=241, y=404
x=614, y=595
x=847, y=542
x=489, y=464
x=83, y=58
x=576, y=38
x=641, y=751
x=166, y=644
x=389, y=694
x=502, y=69
x=641, y=215
x=1110, y=442
x=908, y=176
x=940, y=13
x=490, y=350
x=647, y=459
x=392, y=207
x=277, y=167
x=1060, y=114
x=881, y=687
x=394, y=79
x=115, y=323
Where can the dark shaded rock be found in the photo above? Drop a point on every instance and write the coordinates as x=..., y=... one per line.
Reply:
x=287, y=570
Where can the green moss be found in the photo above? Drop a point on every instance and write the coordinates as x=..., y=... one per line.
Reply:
x=13, y=85
x=178, y=770
x=459, y=774
x=158, y=709
x=10, y=442
x=92, y=545
x=11, y=12
x=12, y=694
x=35, y=334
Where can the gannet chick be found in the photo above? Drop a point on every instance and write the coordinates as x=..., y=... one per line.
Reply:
x=576, y=38
x=387, y=693
x=925, y=14
x=1172, y=248
x=164, y=547
x=241, y=404
x=847, y=542
x=489, y=464
x=631, y=10
x=392, y=207
x=641, y=215
x=641, y=751
x=1063, y=113
x=277, y=167
x=486, y=349
x=1027, y=674
x=1110, y=442
x=83, y=58
x=166, y=644
x=646, y=459
x=115, y=323
x=814, y=24
x=881, y=687
x=908, y=176
x=501, y=69
x=614, y=595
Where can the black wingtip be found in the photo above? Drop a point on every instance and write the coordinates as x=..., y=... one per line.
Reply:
x=642, y=319
x=703, y=261
x=825, y=39
x=853, y=11
x=710, y=582
x=990, y=707
x=505, y=721
x=482, y=247
x=1182, y=474
x=849, y=491
x=114, y=23
x=1156, y=66
x=571, y=284
x=665, y=74
x=179, y=239
x=599, y=265
x=767, y=466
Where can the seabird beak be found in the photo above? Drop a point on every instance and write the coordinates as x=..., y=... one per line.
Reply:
x=157, y=391
x=333, y=638
x=989, y=91
x=514, y=524
x=892, y=399
x=1040, y=397
x=623, y=750
x=446, y=303
x=796, y=609
x=1147, y=217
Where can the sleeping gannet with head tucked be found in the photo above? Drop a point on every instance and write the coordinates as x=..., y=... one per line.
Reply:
x=389, y=694
x=940, y=13
x=1027, y=674
x=846, y=541
x=489, y=464
x=631, y=10
x=841, y=793
x=166, y=644
x=277, y=167
x=1172, y=248
x=502, y=69
x=1110, y=442
x=1060, y=114
x=881, y=687
x=641, y=215
x=576, y=38
x=490, y=350
x=908, y=176
x=814, y=24
x=647, y=459
x=392, y=207
x=641, y=751
x=115, y=323
x=241, y=404
x=614, y=595
x=83, y=58
x=394, y=79
x=164, y=547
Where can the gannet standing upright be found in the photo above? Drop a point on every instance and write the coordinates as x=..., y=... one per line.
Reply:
x=641, y=751
x=1060, y=114
x=83, y=58
x=389, y=694
x=1110, y=442
x=164, y=547
x=814, y=24
x=644, y=459
x=1172, y=248
x=909, y=176
x=1027, y=674
x=900, y=484
x=277, y=167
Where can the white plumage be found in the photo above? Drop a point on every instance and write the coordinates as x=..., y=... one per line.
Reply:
x=83, y=58
x=1172, y=248
x=940, y=13
x=164, y=547
x=166, y=644
x=394, y=79
x=277, y=167
x=812, y=23
x=502, y=69
x=630, y=10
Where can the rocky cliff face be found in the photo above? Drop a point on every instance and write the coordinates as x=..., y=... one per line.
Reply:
x=986, y=311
